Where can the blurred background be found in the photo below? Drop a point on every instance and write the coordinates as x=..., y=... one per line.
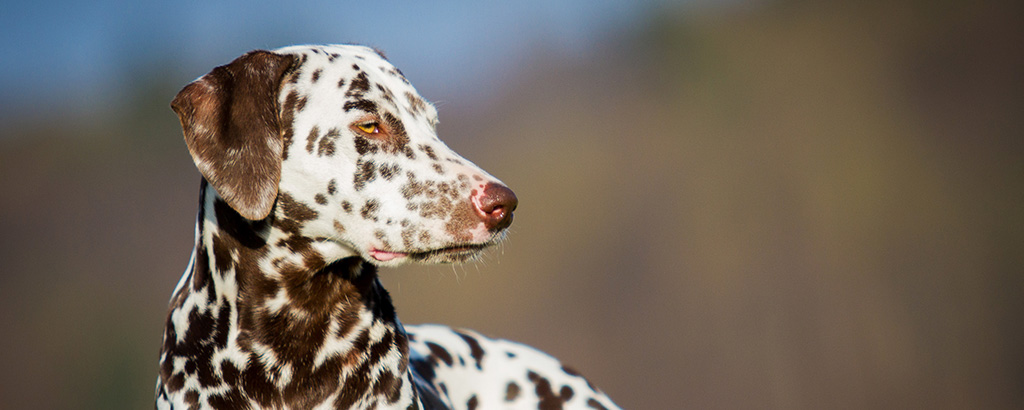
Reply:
x=723, y=205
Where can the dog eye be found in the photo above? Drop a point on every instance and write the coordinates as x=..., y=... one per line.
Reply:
x=369, y=128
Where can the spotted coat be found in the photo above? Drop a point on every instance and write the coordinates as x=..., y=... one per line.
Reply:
x=320, y=164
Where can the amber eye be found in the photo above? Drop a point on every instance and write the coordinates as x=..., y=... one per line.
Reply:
x=369, y=127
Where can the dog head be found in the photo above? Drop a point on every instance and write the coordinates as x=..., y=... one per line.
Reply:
x=334, y=144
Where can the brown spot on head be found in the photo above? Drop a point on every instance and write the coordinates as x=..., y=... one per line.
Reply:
x=461, y=220
x=429, y=151
x=437, y=209
x=366, y=171
x=388, y=171
x=360, y=104
x=314, y=134
x=416, y=104
x=385, y=93
x=413, y=188
x=397, y=138
x=364, y=146
x=407, y=235
x=326, y=146
x=359, y=85
x=288, y=110
x=294, y=77
x=370, y=209
x=446, y=189
x=398, y=73
x=382, y=237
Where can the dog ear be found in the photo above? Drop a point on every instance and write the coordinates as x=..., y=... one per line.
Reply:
x=232, y=128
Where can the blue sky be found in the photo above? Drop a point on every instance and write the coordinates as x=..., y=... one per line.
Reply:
x=80, y=53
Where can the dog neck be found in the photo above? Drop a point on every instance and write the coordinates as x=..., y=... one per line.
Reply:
x=261, y=313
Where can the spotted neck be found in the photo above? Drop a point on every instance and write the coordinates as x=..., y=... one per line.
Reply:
x=260, y=313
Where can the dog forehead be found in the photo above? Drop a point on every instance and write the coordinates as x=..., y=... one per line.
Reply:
x=341, y=53
x=349, y=63
x=358, y=71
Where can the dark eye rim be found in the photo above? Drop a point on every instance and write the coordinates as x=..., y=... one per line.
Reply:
x=376, y=124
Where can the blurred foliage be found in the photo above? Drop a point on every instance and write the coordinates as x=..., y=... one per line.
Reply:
x=769, y=205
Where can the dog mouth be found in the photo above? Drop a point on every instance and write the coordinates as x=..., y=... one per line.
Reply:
x=454, y=253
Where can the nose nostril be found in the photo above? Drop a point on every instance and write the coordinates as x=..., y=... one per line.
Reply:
x=496, y=205
x=497, y=213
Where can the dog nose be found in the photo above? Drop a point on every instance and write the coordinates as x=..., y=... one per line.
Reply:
x=495, y=205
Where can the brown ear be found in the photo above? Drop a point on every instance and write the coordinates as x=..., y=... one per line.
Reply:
x=231, y=126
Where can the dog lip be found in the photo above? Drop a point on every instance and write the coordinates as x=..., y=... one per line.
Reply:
x=385, y=256
x=464, y=249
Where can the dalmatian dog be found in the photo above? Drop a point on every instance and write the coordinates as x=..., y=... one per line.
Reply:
x=321, y=164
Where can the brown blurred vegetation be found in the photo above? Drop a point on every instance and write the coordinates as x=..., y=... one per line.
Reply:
x=780, y=205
